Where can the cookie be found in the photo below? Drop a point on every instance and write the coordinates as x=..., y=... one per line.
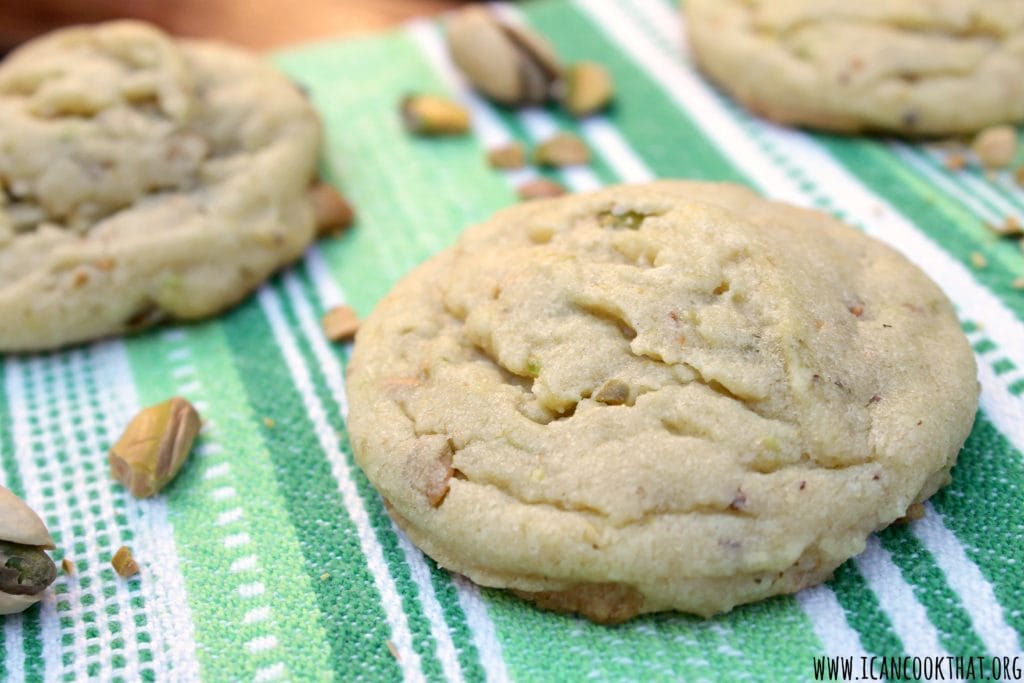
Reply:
x=672, y=396
x=899, y=66
x=142, y=179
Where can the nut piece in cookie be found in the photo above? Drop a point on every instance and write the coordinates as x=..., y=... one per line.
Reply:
x=144, y=179
x=25, y=569
x=897, y=67
x=670, y=396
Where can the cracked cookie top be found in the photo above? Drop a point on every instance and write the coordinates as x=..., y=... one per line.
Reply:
x=678, y=388
x=915, y=67
x=141, y=178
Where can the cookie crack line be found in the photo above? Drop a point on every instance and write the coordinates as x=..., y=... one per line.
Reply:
x=736, y=508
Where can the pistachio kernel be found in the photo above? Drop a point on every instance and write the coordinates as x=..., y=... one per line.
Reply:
x=508, y=156
x=541, y=188
x=433, y=115
x=124, y=562
x=588, y=89
x=332, y=213
x=25, y=569
x=340, y=323
x=614, y=392
x=996, y=146
x=563, y=149
x=630, y=220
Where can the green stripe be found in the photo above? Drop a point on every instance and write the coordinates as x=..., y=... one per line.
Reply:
x=864, y=614
x=670, y=143
x=982, y=508
x=350, y=610
x=423, y=641
x=942, y=603
x=444, y=589
x=216, y=607
x=1009, y=195
x=31, y=633
x=445, y=184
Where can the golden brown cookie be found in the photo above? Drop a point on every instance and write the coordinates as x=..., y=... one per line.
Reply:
x=914, y=67
x=143, y=178
x=672, y=396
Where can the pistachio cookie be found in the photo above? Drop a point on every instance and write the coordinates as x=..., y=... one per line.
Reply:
x=143, y=178
x=913, y=67
x=672, y=396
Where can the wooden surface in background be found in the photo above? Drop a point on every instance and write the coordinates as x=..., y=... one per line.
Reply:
x=256, y=24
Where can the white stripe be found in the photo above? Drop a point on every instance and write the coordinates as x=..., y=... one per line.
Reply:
x=256, y=615
x=223, y=493
x=829, y=622
x=391, y=600
x=431, y=607
x=965, y=184
x=218, y=470
x=251, y=590
x=976, y=594
x=334, y=377
x=193, y=387
x=270, y=673
x=261, y=644
x=236, y=540
x=229, y=516
x=896, y=598
x=14, y=642
x=482, y=629
x=244, y=564
x=153, y=538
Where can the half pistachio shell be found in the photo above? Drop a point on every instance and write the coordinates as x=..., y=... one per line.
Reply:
x=25, y=568
x=509, y=64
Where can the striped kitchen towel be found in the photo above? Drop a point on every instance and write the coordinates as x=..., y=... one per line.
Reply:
x=271, y=557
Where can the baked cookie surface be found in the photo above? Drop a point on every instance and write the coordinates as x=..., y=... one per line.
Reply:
x=143, y=178
x=913, y=67
x=667, y=396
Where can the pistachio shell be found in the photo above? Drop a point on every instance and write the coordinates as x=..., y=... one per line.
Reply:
x=484, y=54
x=509, y=64
x=539, y=51
x=19, y=524
x=12, y=604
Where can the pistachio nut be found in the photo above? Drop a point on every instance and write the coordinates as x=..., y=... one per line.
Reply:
x=996, y=146
x=508, y=156
x=510, y=64
x=25, y=568
x=340, y=323
x=333, y=214
x=588, y=89
x=562, y=149
x=541, y=188
x=124, y=562
x=433, y=115
x=154, y=446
